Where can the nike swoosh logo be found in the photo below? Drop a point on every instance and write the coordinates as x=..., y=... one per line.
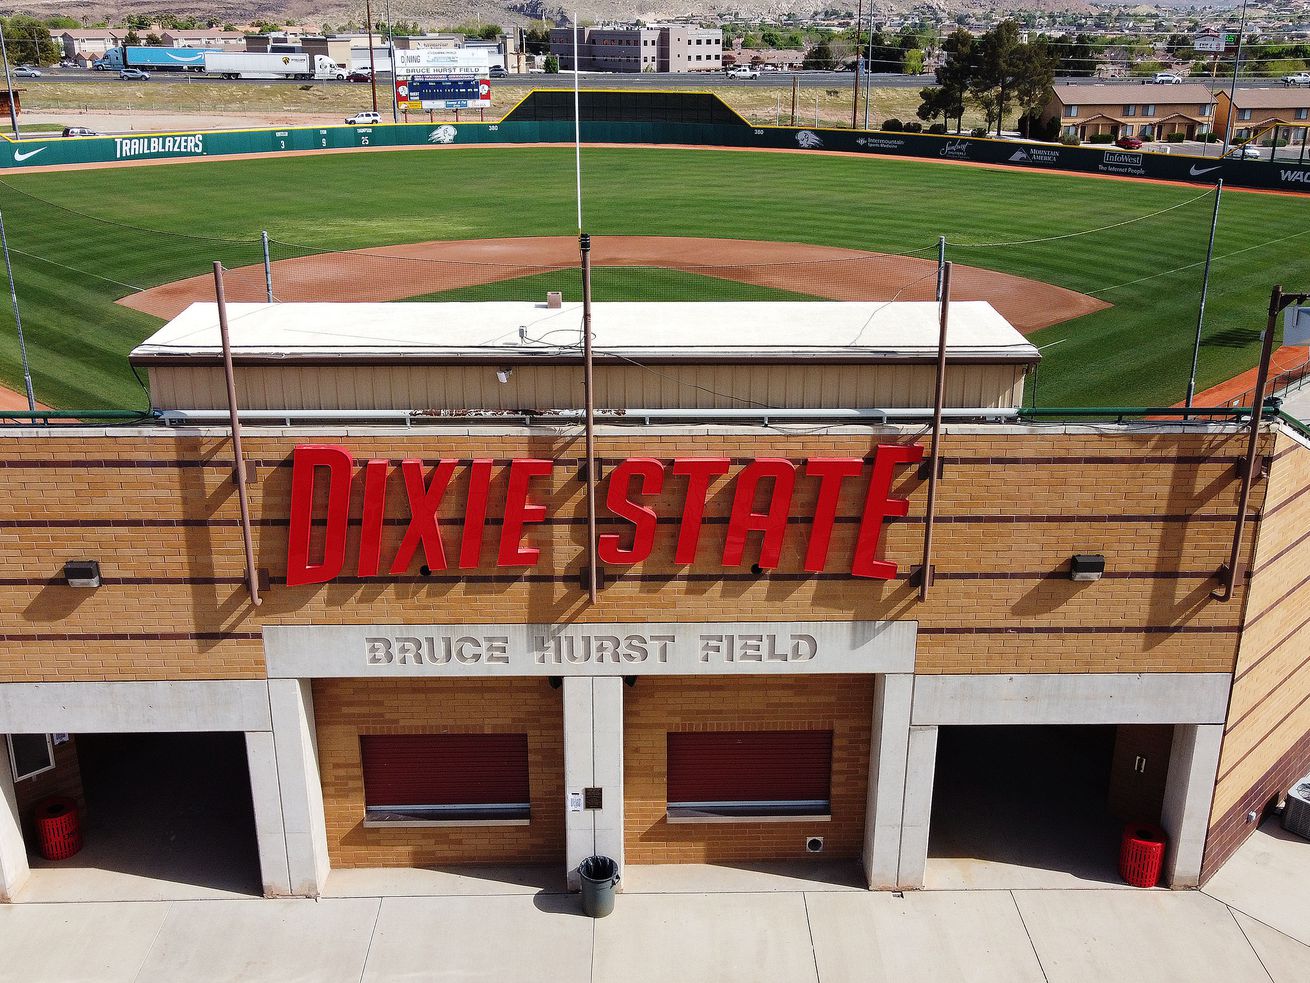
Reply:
x=1205, y=170
x=20, y=156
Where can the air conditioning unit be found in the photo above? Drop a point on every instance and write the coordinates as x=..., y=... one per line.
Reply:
x=1296, y=812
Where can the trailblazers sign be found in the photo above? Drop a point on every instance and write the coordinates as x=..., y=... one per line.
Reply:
x=631, y=484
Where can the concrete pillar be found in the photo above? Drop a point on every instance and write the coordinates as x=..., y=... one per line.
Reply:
x=888, y=747
x=593, y=758
x=299, y=785
x=13, y=851
x=920, y=768
x=270, y=834
x=1188, y=791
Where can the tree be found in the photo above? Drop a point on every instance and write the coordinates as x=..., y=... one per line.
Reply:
x=131, y=38
x=552, y=65
x=821, y=57
x=153, y=40
x=29, y=41
x=913, y=64
x=936, y=101
x=1034, y=77
x=948, y=97
x=998, y=62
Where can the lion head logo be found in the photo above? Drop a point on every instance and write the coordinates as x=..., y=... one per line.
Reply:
x=442, y=134
x=808, y=140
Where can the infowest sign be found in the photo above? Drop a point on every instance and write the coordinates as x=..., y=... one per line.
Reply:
x=323, y=477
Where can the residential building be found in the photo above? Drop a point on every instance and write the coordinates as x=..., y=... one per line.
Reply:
x=1146, y=111
x=654, y=48
x=203, y=38
x=90, y=44
x=1255, y=112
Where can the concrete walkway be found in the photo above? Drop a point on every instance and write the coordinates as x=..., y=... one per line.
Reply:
x=1252, y=923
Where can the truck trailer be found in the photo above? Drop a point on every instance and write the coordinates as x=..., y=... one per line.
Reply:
x=271, y=65
x=153, y=59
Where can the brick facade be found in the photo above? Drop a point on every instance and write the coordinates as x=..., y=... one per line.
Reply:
x=657, y=705
x=346, y=708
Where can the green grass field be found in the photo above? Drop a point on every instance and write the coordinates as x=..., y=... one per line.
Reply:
x=98, y=234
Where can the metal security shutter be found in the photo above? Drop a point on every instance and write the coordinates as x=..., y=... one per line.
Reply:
x=743, y=767
x=445, y=769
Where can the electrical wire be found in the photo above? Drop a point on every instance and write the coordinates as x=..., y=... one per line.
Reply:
x=1084, y=232
x=74, y=269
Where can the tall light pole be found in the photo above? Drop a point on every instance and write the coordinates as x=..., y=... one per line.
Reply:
x=1232, y=89
x=391, y=47
x=372, y=69
x=859, y=56
x=9, y=85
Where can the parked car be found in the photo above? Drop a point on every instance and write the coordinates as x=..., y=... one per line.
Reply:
x=67, y=64
x=367, y=118
x=1246, y=152
x=499, y=72
x=1300, y=78
x=1167, y=78
x=79, y=131
x=1128, y=143
x=743, y=72
x=359, y=75
x=27, y=72
x=133, y=74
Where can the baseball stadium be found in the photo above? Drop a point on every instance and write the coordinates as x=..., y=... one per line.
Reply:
x=458, y=498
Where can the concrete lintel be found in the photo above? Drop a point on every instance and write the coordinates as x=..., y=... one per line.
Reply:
x=134, y=706
x=1189, y=790
x=1072, y=698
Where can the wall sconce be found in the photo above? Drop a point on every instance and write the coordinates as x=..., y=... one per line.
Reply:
x=1087, y=566
x=82, y=573
x=503, y=373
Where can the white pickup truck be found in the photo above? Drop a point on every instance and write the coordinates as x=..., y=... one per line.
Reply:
x=743, y=72
x=1300, y=78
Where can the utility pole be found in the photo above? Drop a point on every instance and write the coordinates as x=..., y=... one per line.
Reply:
x=18, y=318
x=859, y=56
x=795, y=86
x=1232, y=89
x=391, y=47
x=9, y=85
x=372, y=68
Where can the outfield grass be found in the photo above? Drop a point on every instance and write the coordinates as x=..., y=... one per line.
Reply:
x=1137, y=352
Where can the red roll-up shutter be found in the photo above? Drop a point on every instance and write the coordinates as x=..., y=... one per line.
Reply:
x=445, y=769
x=750, y=766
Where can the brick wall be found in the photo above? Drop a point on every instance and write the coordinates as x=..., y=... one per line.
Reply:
x=658, y=705
x=159, y=511
x=1267, y=740
x=346, y=708
x=65, y=779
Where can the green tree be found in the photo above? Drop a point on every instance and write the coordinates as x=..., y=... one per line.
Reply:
x=153, y=40
x=821, y=57
x=63, y=23
x=552, y=65
x=29, y=41
x=949, y=96
x=1034, y=77
x=998, y=64
x=936, y=102
x=913, y=64
x=131, y=38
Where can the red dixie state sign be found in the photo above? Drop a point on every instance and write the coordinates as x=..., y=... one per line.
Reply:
x=629, y=483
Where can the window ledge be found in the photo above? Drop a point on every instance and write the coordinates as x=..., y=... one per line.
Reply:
x=677, y=816
x=424, y=823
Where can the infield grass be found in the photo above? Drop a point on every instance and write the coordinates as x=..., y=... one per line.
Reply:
x=119, y=229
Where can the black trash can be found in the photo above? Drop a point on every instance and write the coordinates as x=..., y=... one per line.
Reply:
x=599, y=877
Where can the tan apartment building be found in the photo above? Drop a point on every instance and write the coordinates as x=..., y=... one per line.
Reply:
x=90, y=43
x=1254, y=113
x=402, y=666
x=1148, y=111
x=654, y=48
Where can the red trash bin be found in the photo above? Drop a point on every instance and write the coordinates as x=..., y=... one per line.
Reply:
x=58, y=828
x=1141, y=854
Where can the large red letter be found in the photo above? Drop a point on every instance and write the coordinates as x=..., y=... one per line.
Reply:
x=375, y=508
x=699, y=471
x=877, y=506
x=518, y=512
x=772, y=522
x=830, y=471
x=304, y=461
x=621, y=504
x=475, y=514
x=423, y=504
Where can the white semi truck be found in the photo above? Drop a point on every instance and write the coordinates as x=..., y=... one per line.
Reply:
x=271, y=65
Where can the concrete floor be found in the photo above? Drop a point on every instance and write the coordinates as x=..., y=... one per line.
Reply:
x=1250, y=924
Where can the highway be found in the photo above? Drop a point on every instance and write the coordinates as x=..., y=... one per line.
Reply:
x=587, y=80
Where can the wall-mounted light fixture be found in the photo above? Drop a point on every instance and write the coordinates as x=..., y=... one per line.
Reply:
x=503, y=373
x=82, y=573
x=1086, y=566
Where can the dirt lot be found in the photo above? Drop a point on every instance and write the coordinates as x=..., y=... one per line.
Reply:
x=128, y=106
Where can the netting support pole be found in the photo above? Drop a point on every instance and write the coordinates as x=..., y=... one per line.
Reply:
x=1205, y=288
x=268, y=267
x=859, y=56
x=243, y=499
x=589, y=402
x=18, y=318
x=9, y=85
x=934, y=460
x=941, y=264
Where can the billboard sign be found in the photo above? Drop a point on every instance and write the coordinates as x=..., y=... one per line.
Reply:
x=1209, y=43
x=427, y=92
x=465, y=62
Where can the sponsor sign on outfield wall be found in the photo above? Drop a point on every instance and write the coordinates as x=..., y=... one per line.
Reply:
x=1289, y=176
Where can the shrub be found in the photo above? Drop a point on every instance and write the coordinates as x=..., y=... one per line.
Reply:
x=1070, y=141
x=913, y=126
x=1100, y=138
x=1175, y=138
x=937, y=128
x=978, y=131
x=893, y=125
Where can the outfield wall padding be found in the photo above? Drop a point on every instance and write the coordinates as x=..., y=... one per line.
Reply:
x=1275, y=175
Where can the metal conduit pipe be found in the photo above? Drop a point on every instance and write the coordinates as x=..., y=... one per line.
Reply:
x=637, y=415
